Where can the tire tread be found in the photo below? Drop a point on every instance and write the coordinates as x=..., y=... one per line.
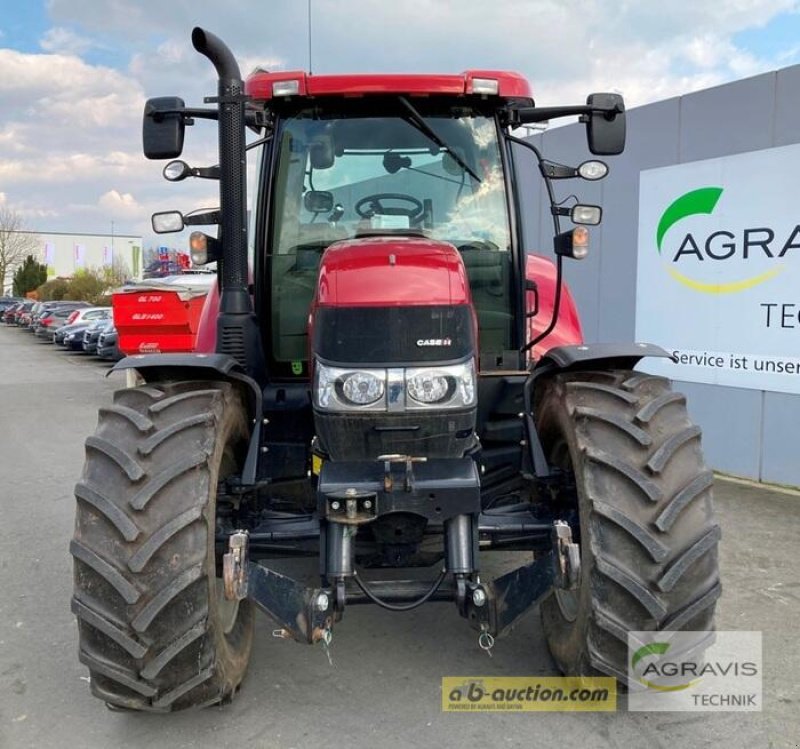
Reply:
x=143, y=553
x=648, y=535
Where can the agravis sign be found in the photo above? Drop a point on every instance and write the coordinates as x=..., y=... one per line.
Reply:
x=718, y=279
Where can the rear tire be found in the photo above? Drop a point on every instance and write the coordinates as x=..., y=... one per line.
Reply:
x=647, y=531
x=154, y=628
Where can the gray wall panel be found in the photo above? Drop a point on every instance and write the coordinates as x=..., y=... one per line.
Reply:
x=786, y=129
x=652, y=142
x=731, y=423
x=728, y=119
x=746, y=432
x=780, y=460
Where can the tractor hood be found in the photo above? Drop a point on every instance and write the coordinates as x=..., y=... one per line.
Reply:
x=392, y=271
x=382, y=300
x=393, y=338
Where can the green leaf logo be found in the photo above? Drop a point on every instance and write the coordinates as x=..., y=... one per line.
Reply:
x=702, y=201
x=657, y=649
x=654, y=648
x=691, y=203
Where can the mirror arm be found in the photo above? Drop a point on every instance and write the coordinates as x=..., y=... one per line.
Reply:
x=200, y=219
x=526, y=115
x=551, y=170
x=208, y=172
x=188, y=113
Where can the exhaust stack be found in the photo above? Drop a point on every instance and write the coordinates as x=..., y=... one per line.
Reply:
x=237, y=328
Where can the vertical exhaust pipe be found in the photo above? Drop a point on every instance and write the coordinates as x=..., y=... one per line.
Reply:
x=237, y=327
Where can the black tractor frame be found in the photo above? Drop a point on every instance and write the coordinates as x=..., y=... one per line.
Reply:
x=448, y=493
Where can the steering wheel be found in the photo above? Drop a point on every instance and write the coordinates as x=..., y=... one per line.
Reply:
x=371, y=205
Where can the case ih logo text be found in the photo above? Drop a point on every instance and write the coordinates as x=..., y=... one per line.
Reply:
x=750, y=246
x=434, y=342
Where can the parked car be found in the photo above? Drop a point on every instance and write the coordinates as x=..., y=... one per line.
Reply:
x=88, y=314
x=29, y=319
x=38, y=311
x=35, y=313
x=107, y=345
x=8, y=301
x=22, y=315
x=59, y=333
x=71, y=336
x=51, y=321
x=40, y=308
x=10, y=314
x=92, y=334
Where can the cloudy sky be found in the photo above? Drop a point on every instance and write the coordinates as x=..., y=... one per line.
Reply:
x=74, y=74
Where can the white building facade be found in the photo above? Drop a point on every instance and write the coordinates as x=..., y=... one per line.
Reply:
x=64, y=253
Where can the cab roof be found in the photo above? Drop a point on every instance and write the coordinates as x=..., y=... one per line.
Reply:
x=263, y=85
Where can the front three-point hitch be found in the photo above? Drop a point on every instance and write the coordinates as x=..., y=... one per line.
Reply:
x=306, y=614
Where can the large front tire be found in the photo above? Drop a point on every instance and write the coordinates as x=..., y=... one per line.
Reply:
x=154, y=628
x=646, y=524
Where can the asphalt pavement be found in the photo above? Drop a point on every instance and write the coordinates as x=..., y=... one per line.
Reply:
x=384, y=687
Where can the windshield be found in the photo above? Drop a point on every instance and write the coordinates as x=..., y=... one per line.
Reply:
x=344, y=177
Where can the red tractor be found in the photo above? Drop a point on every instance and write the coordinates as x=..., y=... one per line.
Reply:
x=391, y=381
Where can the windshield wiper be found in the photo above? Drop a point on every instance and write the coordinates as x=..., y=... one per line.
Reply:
x=416, y=119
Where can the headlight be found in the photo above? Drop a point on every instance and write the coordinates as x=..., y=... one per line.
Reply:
x=394, y=390
x=442, y=387
x=362, y=388
x=337, y=389
x=429, y=387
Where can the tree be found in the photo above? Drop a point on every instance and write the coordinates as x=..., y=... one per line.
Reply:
x=91, y=285
x=54, y=290
x=118, y=273
x=29, y=276
x=15, y=243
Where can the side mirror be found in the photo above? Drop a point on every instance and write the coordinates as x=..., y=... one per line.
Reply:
x=167, y=222
x=605, y=126
x=318, y=201
x=394, y=162
x=176, y=171
x=450, y=163
x=163, y=127
x=321, y=152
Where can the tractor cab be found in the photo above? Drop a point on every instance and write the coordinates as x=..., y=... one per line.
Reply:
x=386, y=167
